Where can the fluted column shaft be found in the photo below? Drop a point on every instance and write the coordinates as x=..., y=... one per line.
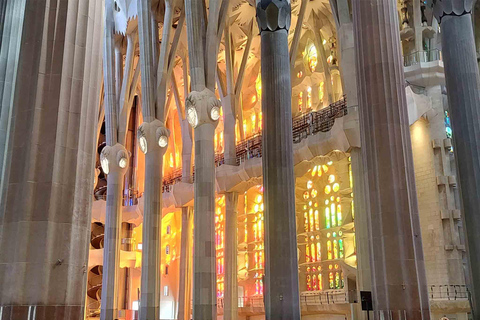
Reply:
x=398, y=271
x=48, y=88
x=111, y=250
x=204, y=274
x=114, y=160
x=151, y=236
x=184, y=295
x=153, y=141
x=463, y=88
x=230, y=309
x=281, y=262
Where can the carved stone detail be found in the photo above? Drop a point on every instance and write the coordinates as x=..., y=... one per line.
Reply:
x=151, y=132
x=111, y=158
x=451, y=8
x=203, y=102
x=273, y=15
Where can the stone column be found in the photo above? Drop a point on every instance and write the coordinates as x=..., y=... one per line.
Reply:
x=398, y=271
x=362, y=232
x=281, y=264
x=463, y=87
x=230, y=309
x=47, y=89
x=184, y=295
x=153, y=140
x=114, y=160
x=203, y=112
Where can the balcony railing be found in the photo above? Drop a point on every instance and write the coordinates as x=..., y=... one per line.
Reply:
x=422, y=56
x=448, y=292
x=303, y=126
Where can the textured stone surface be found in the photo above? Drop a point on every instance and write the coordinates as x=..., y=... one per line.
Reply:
x=204, y=278
x=43, y=255
x=463, y=87
x=273, y=15
x=451, y=8
x=281, y=265
x=398, y=272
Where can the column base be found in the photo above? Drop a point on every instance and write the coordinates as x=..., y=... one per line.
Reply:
x=41, y=312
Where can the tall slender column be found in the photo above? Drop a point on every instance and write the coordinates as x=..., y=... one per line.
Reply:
x=203, y=112
x=114, y=161
x=184, y=294
x=153, y=141
x=463, y=87
x=230, y=309
x=281, y=268
x=398, y=271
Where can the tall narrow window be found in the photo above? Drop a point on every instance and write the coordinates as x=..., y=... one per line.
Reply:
x=329, y=250
x=327, y=218
x=332, y=212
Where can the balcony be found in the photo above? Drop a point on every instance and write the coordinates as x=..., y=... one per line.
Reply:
x=422, y=56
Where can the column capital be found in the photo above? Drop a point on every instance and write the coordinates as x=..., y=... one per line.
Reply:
x=273, y=15
x=153, y=135
x=457, y=8
x=202, y=107
x=114, y=159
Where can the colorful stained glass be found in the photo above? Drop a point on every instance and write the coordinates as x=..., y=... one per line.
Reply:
x=327, y=218
x=329, y=250
x=328, y=189
x=336, y=187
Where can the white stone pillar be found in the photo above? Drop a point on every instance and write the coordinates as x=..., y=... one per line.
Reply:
x=281, y=261
x=114, y=160
x=203, y=112
x=153, y=140
x=463, y=90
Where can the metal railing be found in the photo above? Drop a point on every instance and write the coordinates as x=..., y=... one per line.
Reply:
x=303, y=126
x=328, y=297
x=422, y=56
x=448, y=292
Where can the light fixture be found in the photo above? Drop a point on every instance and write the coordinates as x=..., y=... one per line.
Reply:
x=192, y=117
x=215, y=113
x=143, y=144
x=104, y=163
x=163, y=141
x=122, y=163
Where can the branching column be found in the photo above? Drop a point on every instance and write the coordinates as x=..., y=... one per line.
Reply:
x=281, y=268
x=463, y=87
x=153, y=141
x=203, y=112
x=398, y=271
